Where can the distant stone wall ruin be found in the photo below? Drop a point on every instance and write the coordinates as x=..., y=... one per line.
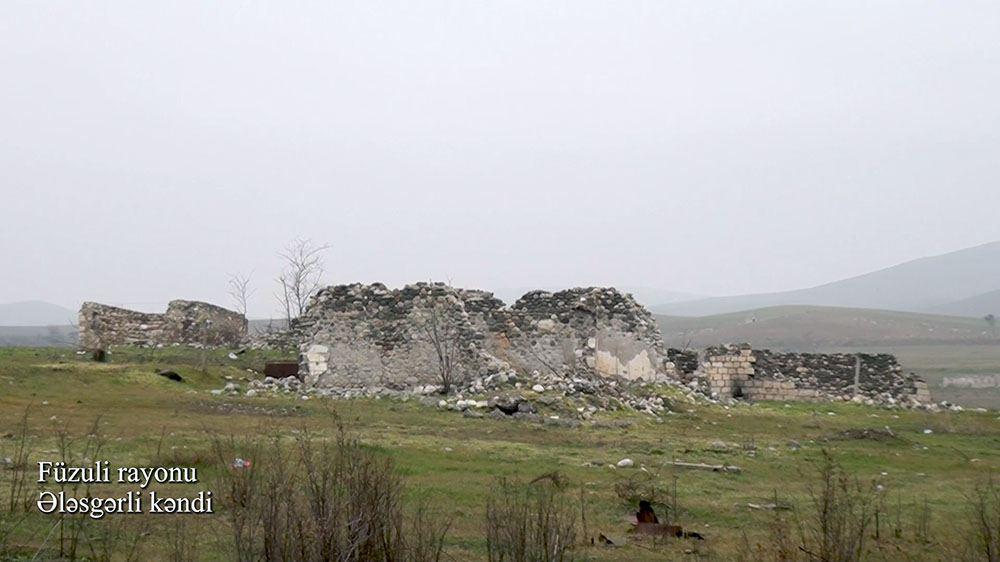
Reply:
x=738, y=371
x=184, y=322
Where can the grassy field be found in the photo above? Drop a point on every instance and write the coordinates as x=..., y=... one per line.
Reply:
x=451, y=462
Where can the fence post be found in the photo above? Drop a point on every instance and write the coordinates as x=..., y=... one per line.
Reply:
x=857, y=374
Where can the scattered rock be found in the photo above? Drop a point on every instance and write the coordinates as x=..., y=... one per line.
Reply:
x=719, y=446
x=606, y=540
x=868, y=433
x=231, y=389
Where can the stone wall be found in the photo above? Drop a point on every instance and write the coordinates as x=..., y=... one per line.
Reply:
x=598, y=329
x=727, y=368
x=184, y=322
x=361, y=335
x=357, y=336
x=742, y=372
x=685, y=362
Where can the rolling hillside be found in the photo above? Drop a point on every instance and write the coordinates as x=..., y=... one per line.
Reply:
x=976, y=307
x=813, y=327
x=924, y=285
x=35, y=313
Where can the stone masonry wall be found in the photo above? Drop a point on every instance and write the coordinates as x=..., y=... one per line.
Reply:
x=362, y=335
x=356, y=336
x=684, y=361
x=741, y=372
x=726, y=368
x=184, y=322
x=598, y=329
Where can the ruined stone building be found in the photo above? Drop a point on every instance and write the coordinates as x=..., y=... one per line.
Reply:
x=354, y=336
x=184, y=322
x=357, y=335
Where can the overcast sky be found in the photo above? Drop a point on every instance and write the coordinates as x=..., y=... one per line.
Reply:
x=707, y=147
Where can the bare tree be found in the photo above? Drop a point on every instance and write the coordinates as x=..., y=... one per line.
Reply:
x=240, y=291
x=442, y=335
x=991, y=319
x=300, y=279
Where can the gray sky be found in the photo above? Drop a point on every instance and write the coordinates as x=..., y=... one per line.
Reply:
x=147, y=151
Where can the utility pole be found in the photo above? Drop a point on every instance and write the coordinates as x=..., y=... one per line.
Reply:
x=857, y=374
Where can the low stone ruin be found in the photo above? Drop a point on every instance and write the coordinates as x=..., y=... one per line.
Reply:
x=183, y=323
x=738, y=371
x=595, y=348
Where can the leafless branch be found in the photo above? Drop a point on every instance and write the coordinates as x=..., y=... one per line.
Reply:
x=240, y=291
x=301, y=276
x=440, y=332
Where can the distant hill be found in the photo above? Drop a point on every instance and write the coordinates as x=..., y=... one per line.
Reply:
x=922, y=285
x=812, y=327
x=35, y=313
x=976, y=307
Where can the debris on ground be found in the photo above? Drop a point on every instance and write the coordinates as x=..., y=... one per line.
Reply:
x=868, y=433
x=605, y=540
x=646, y=513
x=769, y=506
x=701, y=466
x=647, y=523
x=281, y=369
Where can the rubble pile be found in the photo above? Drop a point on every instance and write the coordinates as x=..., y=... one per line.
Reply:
x=503, y=395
